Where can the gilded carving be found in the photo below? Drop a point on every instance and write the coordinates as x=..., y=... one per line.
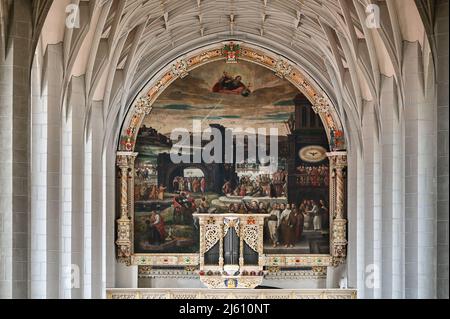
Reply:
x=165, y=260
x=212, y=236
x=231, y=293
x=180, y=69
x=251, y=236
x=321, y=105
x=125, y=162
x=143, y=106
x=283, y=68
x=123, y=239
x=338, y=164
x=232, y=282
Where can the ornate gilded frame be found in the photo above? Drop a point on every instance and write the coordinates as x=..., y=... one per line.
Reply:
x=143, y=106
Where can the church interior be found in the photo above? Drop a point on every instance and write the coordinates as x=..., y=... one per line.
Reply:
x=224, y=149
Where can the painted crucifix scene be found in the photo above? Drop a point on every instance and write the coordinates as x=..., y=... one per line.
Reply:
x=232, y=138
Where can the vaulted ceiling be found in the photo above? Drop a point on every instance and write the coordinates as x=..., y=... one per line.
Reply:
x=120, y=44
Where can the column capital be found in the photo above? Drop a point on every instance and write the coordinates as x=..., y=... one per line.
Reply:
x=127, y=154
x=337, y=153
x=126, y=159
x=337, y=159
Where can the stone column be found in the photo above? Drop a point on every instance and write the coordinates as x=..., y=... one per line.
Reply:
x=79, y=229
x=420, y=177
x=51, y=98
x=392, y=190
x=442, y=36
x=104, y=205
x=15, y=66
x=38, y=211
x=356, y=218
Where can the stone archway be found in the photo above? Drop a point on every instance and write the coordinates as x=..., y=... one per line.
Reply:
x=174, y=171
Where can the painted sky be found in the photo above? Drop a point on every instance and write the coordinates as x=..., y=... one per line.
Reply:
x=269, y=105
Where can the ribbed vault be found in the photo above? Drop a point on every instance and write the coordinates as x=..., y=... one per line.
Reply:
x=119, y=44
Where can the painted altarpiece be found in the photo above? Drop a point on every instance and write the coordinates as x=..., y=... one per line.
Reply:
x=253, y=88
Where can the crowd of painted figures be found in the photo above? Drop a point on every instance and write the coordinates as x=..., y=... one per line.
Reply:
x=313, y=176
x=149, y=191
x=264, y=185
x=287, y=223
x=189, y=184
x=144, y=173
x=154, y=230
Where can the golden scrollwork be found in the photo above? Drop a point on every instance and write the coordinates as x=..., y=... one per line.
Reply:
x=125, y=162
x=321, y=105
x=251, y=236
x=123, y=241
x=223, y=282
x=283, y=68
x=212, y=236
x=180, y=69
x=143, y=106
x=338, y=165
x=319, y=270
x=274, y=269
x=231, y=223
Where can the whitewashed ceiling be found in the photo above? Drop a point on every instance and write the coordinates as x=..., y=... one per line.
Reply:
x=120, y=44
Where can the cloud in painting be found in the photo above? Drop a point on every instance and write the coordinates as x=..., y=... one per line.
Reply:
x=216, y=118
x=179, y=107
x=278, y=116
x=269, y=105
x=284, y=103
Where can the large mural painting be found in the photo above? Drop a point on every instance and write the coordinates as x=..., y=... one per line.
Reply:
x=294, y=193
